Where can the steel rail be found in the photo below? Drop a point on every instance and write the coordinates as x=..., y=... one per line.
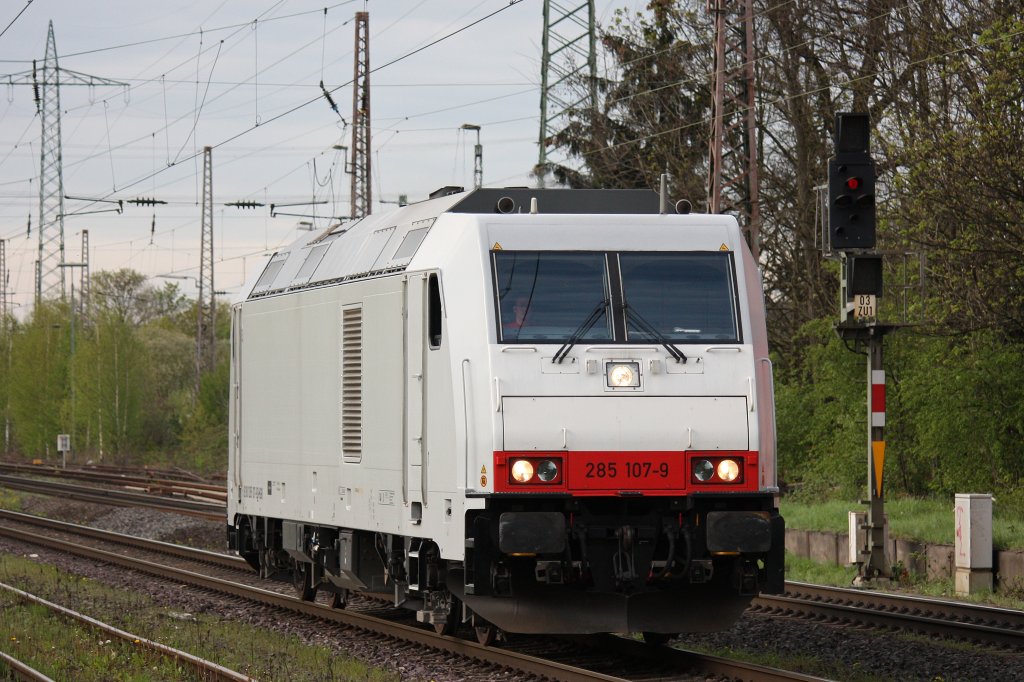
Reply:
x=465, y=648
x=957, y=620
x=206, y=669
x=169, y=548
x=21, y=671
x=118, y=497
x=684, y=659
x=202, y=490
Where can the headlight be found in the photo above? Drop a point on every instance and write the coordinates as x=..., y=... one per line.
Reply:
x=546, y=471
x=522, y=470
x=716, y=470
x=728, y=470
x=623, y=374
x=534, y=471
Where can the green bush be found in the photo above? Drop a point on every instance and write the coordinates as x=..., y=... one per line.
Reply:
x=954, y=416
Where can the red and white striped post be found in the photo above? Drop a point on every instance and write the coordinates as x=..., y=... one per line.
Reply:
x=876, y=565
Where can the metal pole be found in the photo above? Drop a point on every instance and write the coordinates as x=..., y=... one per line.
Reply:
x=478, y=162
x=71, y=361
x=71, y=371
x=478, y=156
x=876, y=564
x=361, y=190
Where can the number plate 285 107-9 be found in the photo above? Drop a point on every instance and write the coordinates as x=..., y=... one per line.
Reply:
x=626, y=470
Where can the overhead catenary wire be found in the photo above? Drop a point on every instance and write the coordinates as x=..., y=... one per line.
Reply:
x=239, y=26
x=308, y=102
x=16, y=17
x=177, y=36
x=442, y=128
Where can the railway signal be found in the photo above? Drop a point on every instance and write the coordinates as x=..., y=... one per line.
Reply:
x=850, y=237
x=851, y=185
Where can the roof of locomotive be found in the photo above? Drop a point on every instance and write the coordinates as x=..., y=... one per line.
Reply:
x=559, y=201
x=386, y=242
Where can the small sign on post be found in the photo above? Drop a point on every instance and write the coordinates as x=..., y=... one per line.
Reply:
x=64, y=447
x=865, y=307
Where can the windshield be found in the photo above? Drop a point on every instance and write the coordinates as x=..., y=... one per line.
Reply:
x=683, y=296
x=621, y=297
x=548, y=295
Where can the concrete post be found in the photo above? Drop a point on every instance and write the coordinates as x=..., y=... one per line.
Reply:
x=973, y=544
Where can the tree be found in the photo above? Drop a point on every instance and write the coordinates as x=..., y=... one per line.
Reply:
x=650, y=117
x=127, y=295
x=112, y=387
x=39, y=385
x=963, y=195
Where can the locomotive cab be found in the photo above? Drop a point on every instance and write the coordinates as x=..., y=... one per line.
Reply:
x=632, y=484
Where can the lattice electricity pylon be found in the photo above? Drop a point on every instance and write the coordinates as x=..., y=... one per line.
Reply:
x=50, y=277
x=206, y=303
x=362, y=193
x=569, y=49
x=732, y=161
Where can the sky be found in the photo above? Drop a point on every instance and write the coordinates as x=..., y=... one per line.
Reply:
x=243, y=76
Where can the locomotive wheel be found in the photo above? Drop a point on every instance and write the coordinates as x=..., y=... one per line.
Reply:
x=339, y=599
x=486, y=633
x=302, y=579
x=454, y=610
x=446, y=628
x=657, y=638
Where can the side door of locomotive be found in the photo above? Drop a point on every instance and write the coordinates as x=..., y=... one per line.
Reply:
x=414, y=470
x=235, y=408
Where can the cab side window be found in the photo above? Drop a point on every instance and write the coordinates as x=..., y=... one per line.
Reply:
x=433, y=312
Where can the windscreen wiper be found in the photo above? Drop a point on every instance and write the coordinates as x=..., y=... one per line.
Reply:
x=648, y=328
x=584, y=327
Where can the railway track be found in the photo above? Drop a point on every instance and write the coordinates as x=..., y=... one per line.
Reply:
x=574, y=659
x=986, y=625
x=142, y=471
x=138, y=479
x=207, y=670
x=124, y=498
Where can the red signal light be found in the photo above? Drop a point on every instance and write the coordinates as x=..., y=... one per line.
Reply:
x=853, y=183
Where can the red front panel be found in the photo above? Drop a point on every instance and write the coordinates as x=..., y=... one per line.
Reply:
x=631, y=472
x=627, y=471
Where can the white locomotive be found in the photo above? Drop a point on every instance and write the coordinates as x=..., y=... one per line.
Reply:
x=527, y=410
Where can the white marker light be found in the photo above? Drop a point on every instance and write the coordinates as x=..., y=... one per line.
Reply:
x=522, y=471
x=728, y=470
x=623, y=374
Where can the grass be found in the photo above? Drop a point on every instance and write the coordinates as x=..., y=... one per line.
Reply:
x=926, y=520
x=62, y=650
x=801, y=569
x=804, y=570
x=9, y=500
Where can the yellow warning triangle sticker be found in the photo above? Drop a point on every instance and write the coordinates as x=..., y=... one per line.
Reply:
x=878, y=455
x=723, y=247
x=496, y=247
x=483, y=469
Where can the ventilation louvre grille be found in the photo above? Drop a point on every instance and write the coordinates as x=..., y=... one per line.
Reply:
x=352, y=384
